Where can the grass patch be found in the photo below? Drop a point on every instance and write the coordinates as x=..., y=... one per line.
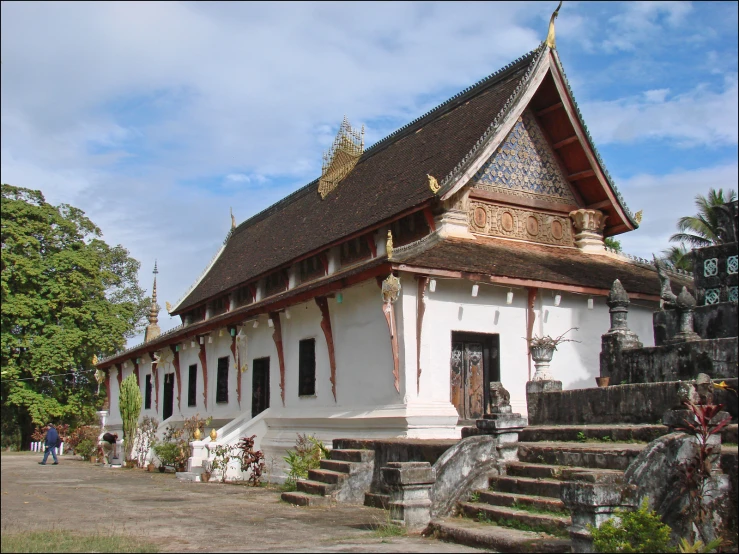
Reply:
x=386, y=529
x=534, y=510
x=69, y=541
x=730, y=444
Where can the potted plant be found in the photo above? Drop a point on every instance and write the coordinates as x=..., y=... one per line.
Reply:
x=542, y=350
x=167, y=452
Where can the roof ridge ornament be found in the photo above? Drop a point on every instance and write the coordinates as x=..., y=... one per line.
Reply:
x=341, y=158
x=551, y=43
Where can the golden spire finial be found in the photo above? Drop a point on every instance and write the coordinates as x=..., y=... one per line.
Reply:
x=341, y=158
x=433, y=183
x=233, y=219
x=550, y=35
x=389, y=244
x=152, y=330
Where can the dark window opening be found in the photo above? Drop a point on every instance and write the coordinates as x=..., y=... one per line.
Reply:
x=312, y=268
x=307, y=368
x=220, y=305
x=275, y=283
x=147, y=393
x=409, y=228
x=355, y=250
x=244, y=296
x=192, y=385
x=168, y=406
x=260, y=386
x=222, y=381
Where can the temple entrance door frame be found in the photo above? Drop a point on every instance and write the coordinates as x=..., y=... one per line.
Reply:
x=168, y=405
x=475, y=362
x=259, y=386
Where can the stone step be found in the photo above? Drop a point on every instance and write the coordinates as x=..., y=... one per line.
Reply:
x=512, y=500
x=547, y=523
x=336, y=465
x=547, y=471
x=526, y=485
x=496, y=538
x=574, y=433
x=327, y=476
x=349, y=455
x=305, y=499
x=616, y=456
x=376, y=500
x=315, y=487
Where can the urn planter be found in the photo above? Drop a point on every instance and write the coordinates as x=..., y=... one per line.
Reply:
x=542, y=356
x=603, y=381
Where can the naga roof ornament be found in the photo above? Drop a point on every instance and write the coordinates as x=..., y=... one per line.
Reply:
x=341, y=158
x=551, y=42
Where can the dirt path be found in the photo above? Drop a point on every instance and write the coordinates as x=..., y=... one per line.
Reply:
x=180, y=516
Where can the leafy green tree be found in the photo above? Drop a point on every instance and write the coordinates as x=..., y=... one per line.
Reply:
x=613, y=244
x=701, y=229
x=66, y=296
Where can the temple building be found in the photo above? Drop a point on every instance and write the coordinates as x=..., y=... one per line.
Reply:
x=380, y=299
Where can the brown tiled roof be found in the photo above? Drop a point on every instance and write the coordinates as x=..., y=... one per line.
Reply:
x=518, y=260
x=390, y=178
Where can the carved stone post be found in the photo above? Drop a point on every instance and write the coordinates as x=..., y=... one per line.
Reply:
x=589, y=225
x=410, y=484
x=501, y=423
x=592, y=498
x=685, y=306
x=619, y=337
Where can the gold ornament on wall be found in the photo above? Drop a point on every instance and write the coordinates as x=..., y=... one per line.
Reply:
x=94, y=359
x=433, y=183
x=197, y=435
x=341, y=158
x=213, y=434
x=638, y=216
x=169, y=307
x=390, y=289
x=389, y=244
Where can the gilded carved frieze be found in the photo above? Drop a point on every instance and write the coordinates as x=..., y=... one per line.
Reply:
x=505, y=221
x=524, y=165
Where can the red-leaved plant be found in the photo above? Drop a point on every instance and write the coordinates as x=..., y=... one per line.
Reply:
x=697, y=470
x=251, y=460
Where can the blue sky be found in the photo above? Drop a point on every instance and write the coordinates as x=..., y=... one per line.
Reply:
x=157, y=118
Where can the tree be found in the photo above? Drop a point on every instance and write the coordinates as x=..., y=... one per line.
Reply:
x=129, y=402
x=701, y=229
x=678, y=257
x=66, y=296
x=613, y=244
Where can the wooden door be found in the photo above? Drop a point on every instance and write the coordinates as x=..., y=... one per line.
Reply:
x=474, y=362
x=260, y=386
x=168, y=407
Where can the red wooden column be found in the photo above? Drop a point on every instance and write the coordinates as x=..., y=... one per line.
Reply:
x=176, y=364
x=155, y=372
x=107, y=386
x=530, y=317
x=387, y=309
x=420, y=311
x=277, y=337
x=234, y=352
x=322, y=303
x=136, y=370
x=119, y=377
x=204, y=365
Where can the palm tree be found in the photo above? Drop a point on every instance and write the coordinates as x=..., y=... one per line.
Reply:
x=702, y=229
x=678, y=257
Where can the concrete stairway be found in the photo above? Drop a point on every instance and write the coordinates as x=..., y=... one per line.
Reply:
x=344, y=477
x=521, y=511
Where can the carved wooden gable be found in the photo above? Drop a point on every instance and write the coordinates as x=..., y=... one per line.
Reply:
x=525, y=166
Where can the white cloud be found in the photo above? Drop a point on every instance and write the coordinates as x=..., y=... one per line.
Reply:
x=641, y=22
x=664, y=199
x=698, y=117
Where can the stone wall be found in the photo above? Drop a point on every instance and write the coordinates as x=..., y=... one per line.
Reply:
x=715, y=321
x=638, y=403
x=715, y=273
x=672, y=362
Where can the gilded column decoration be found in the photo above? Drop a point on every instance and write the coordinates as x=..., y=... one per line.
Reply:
x=589, y=225
x=327, y=332
x=505, y=221
x=389, y=244
x=524, y=165
x=277, y=337
x=420, y=311
x=390, y=294
x=176, y=364
x=204, y=365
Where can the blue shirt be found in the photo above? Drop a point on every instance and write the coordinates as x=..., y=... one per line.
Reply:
x=51, y=437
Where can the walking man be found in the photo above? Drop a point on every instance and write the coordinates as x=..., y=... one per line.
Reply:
x=52, y=438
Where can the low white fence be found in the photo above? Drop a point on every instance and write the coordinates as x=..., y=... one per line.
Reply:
x=39, y=446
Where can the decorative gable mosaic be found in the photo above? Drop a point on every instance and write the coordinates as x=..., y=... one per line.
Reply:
x=524, y=165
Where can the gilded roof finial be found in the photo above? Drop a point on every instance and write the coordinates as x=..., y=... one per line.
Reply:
x=153, y=330
x=341, y=158
x=389, y=244
x=550, y=35
x=637, y=216
x=433, y=183
x=233, y=219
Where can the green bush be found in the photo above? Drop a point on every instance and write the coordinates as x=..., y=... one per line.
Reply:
x=639, y=531
x=307, y=455
x=86, y=448
x=167, y=452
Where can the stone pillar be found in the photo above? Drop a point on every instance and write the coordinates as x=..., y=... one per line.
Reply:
x=589, y=225
x=103, y=415
x=619, y=337
x=501, y=423
x=410, y=485
x=685, y=306
x=534, y=390
x=592, y=498
x=198, y=454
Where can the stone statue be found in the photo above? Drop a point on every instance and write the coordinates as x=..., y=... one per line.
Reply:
x=500, y=399
x=668, y=298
